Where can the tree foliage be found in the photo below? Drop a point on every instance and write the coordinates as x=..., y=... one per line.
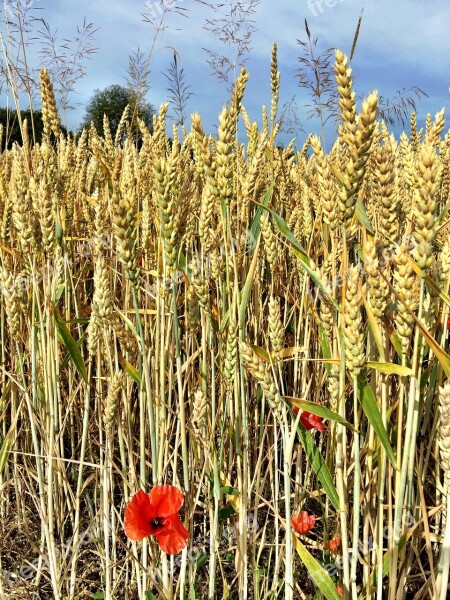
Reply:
x=112, y=101
x=11, y=127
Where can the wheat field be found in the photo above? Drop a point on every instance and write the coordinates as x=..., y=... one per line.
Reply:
x=166, y=309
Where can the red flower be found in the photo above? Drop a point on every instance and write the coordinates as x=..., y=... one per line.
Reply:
x=156, y=513
x=334, y=545
x=340, y=590
x=303, y=522
x=311, y=421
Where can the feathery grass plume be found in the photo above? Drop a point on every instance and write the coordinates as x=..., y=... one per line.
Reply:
x=424, y=217
x=444, y=427
x=343, y=74
x=353, y=325
x=112, y=398
x=124, y=218
x=404, y=285
x=10, y=300
x=270, y=242
x=50, y=117
x=163, y=175
x=388, y=216
x=327, y=185
x=377, y=286
x=224, y=156
x=178, y=90
x=276, y=329
x=261, y=372
x=274, y=85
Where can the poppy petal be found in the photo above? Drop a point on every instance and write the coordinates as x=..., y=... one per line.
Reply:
x=173, y=536
x=303, y=522
x=310, y=421
x=166, y=500
x=138, y=515
x=334, y=545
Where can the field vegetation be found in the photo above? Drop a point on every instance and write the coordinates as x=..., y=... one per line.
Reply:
x=265, y=328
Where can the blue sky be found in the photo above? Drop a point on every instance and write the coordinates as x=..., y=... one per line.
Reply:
x=401, y=44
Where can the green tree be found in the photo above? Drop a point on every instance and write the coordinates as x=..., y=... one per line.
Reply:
x=11, y=127
x=111, y=102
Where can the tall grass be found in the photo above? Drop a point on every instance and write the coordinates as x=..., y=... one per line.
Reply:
x=165, y=308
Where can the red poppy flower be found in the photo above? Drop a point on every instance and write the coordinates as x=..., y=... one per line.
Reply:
x=303, y=522
x=156, y=513
x=311, y=421
x=340, y=590
x=334, y=545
